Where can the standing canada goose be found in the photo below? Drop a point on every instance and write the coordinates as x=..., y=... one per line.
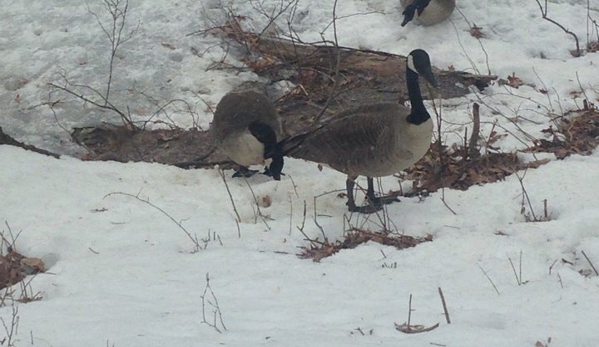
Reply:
x=429, y=11
x=372, y=140
x=246, y=128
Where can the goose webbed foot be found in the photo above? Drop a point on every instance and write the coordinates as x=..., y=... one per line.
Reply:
x=243, y=171
x=272, y=173
x=367, y=209
x=275, y=168
x=382, y=200
x=379, y=200
x=374, y=203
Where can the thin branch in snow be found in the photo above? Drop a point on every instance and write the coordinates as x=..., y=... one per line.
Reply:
x=589, y=260
x=408, y=328
x=489, y=278
x=444, y=306
x=209, y=300
x=118, y=10
x=238, y=220
x=193, y=238
x=11, y=329
x=519, y=273
x=259, y=211
x=544, y=11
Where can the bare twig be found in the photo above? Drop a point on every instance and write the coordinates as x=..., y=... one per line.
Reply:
x=222, y=175
x=525, y=198
x=106, y=105
x=212, y=301
x=259, y=212
x=551, y=266
x=477, y=37
x=442, y=154
x=472, y=146
x=410, y=310
x=445, y=202
x=193, y=238
x=444, y=306
x=518, y=277
x=301, y=228
x=489, y=278
x=337, y=64
x=408, y=328
x=589, y=260
x=118, y=10
x=11, y=329
x=544, y=11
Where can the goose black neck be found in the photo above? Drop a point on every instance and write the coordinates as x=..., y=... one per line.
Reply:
x=419, y=113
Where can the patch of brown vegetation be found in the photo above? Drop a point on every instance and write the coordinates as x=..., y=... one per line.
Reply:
x=15, y=266
x=319, y=250
x=461, y=167
x=578, y=134
x=445, y=168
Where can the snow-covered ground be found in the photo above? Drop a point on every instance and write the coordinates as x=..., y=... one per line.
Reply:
x=121, y=271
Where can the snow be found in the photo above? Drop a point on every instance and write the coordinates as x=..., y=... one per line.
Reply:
x=121, y=272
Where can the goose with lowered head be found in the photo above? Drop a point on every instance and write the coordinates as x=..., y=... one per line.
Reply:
x=426, y=12
x=246, y=128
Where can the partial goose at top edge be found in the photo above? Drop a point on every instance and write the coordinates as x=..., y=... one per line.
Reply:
x=426, y=12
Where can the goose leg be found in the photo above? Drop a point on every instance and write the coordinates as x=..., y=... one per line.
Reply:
x=243, y=171
x=380, y=200
x=351, y=202
x=274, y=170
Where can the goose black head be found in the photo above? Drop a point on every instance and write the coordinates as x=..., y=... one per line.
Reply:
x=419, y=62
x=410, y=10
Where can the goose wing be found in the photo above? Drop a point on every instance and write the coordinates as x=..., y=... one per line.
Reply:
x=354, y=141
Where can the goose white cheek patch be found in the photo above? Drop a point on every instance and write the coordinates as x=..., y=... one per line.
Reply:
x=411, y=64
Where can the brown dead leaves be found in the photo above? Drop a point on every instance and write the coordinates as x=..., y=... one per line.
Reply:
x=458, y=168
x=14, y=267
x=319, y=250
x=575, y=135
x=476, y=32
x=452, y=169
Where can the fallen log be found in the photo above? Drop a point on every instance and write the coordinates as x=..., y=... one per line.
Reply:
x=330, y=79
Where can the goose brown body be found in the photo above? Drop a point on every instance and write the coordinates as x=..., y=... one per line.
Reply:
x=371, y=140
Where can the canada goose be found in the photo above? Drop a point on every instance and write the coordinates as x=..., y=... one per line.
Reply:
x=246, y=128
x=372, y=140
x=429, y=11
